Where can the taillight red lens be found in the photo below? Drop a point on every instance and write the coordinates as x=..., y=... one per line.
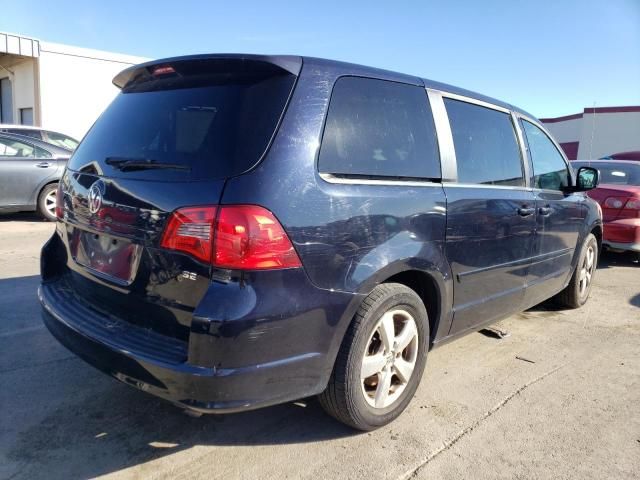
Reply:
x=633, y=204
x=614, y=202
x=246, y=237
x=190, y=230
x=59, y=202
x=163, y=70
x=249, y=237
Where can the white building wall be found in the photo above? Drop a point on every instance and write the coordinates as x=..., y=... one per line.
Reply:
x=612, y=133
x=75, y=85
x=23, y=87
x=566, y=131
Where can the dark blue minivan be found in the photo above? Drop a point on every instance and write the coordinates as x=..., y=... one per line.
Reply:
x=237, y=231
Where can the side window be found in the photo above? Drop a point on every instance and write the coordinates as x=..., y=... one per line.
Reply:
x=484, y=139
x=13, y=148
x=380, y=129
x=549, y=168
x=42, y=153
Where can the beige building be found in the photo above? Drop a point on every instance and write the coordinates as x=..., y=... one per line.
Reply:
x=597, y=132
x=58, y=87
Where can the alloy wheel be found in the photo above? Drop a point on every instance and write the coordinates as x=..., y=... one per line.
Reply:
x=586, y=271
x=50, y=203
x=389, y=359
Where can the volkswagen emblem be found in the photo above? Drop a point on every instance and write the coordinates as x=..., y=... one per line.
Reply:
x=95, y=196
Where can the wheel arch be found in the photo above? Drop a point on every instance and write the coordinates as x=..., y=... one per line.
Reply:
x=597, y=232
x=427, y=289
x=45, y=183
x=430, y=281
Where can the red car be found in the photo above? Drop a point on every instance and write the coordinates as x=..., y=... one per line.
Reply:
x=623, y=156
x=618, y=194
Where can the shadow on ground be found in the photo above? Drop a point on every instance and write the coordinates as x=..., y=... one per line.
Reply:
x=21, y=217
x=610, y=259
x=85, y=424
x=120, y=427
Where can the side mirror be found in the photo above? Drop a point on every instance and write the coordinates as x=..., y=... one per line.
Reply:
x=586, y=179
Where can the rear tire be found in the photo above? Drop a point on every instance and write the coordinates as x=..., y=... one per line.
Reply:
x=577, y=292
x=381, y=359
x=47, y=202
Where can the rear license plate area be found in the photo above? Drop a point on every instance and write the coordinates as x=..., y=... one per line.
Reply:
x=114, y=258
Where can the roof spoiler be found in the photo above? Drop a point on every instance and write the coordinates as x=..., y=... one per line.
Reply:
x=289, y=63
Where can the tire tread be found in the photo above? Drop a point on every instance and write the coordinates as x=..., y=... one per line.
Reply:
x=334, y=399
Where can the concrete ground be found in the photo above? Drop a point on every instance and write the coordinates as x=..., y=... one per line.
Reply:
x=558, y=398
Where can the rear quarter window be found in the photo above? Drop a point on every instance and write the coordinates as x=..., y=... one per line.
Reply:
x=376, y=128
x=485, y=143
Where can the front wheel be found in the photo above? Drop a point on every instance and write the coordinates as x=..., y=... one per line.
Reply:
x=381, y=359
x=577, y=292
x=47, y=202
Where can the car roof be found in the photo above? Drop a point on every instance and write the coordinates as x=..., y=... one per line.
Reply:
x=31, y=127
x=53, y=149
x=26, y=127
x=294, y=64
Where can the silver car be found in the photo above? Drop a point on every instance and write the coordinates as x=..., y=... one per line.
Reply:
x=49, y=136
x=29, y=174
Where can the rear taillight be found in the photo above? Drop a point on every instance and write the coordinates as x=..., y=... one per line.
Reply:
x=59, y=202
x=244, y=237
x=614, y=202
x=249, y=237
x=190, y=230
x=633, y=204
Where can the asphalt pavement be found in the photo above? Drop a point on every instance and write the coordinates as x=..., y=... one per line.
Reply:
x=559, y=397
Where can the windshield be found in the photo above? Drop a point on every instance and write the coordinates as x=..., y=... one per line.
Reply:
x=612, y=173
x=216, y=125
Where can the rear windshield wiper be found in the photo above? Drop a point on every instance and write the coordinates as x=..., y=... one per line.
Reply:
x=128, y=164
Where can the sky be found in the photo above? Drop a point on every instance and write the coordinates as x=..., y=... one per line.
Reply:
x=549, y=57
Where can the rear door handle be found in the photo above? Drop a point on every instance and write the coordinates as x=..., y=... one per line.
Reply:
x=43, y=165
x=546, y=211
x=526, y=211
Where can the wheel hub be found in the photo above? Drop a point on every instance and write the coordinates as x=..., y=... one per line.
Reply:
x=390, y=358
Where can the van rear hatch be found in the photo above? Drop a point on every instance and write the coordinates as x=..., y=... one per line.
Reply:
x=170, y=139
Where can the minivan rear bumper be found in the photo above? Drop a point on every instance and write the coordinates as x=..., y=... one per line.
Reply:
x=163, y=365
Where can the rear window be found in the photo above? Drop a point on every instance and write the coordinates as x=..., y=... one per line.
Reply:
x=216, y=120
x=377, y=128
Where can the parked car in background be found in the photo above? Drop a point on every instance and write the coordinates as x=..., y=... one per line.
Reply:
x=619, y=197
x=29, y=174
x=49, y=136
x=277, y=227
x=623, y=156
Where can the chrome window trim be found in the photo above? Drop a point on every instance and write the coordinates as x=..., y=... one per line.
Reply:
x=524, y=151
x=330, y=178
x=448, y=164
x=488, y=185
x=481, y=103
